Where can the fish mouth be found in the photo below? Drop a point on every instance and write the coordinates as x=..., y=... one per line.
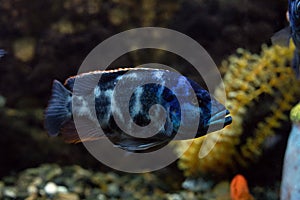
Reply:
x=220, y=118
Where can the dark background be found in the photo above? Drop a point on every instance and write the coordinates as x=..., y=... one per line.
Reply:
x=47, y=40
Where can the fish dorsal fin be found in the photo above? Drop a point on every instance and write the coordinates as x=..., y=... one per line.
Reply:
x=282, y=37
x=85, y=84
x=90, y=131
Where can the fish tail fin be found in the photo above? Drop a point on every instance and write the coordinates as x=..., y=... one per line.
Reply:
x=296, y=63
x=59, y=109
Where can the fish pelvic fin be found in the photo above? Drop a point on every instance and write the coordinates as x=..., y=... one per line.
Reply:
x=59, y=109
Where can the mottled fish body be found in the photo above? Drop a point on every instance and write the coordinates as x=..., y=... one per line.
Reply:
x=85, y=94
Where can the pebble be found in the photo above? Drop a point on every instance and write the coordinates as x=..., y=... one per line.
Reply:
x=113, y=189
x=101, y=197
x=32, y=189
x=222, y=189
x=67, y=196
x=10, y=192
x=174, y=197
x=50, y=188
x=197, y=185
x=62, y=189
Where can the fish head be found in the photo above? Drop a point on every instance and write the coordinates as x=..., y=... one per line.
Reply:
x=201, y=105
x=219, y=116
x=213, y=115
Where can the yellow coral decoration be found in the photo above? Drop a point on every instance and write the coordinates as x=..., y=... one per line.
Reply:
x=260, y=90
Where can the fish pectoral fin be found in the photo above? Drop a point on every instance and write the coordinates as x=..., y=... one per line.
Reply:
x=282, y=37
x=85, y=130
x=140, y=146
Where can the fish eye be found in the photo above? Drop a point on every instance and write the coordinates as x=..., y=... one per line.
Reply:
x=195, y=101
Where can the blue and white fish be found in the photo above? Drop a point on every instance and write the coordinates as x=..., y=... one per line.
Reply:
x=2, y=53
x=66, y=104
x=293, y=31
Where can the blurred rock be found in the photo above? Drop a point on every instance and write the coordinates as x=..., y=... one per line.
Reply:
x=24, y=49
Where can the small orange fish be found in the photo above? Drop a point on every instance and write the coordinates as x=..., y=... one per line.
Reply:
x=239, y=189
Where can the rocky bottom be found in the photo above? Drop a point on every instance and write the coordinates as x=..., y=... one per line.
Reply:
x=50, y=181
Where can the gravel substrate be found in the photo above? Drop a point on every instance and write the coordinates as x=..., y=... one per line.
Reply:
x=50, y=181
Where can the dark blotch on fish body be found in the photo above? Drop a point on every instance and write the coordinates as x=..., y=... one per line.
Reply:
x=66, y=103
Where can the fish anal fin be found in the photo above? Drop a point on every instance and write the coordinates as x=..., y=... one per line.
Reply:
x=69, y=133
x=87, y=129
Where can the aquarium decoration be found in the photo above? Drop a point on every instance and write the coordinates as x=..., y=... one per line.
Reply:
x=290, y=175
x=261, y=89
x=239, y=188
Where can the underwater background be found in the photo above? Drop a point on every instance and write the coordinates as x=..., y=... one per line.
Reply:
x=47, y=40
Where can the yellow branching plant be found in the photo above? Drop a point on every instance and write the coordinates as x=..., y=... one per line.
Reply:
x=260, y=89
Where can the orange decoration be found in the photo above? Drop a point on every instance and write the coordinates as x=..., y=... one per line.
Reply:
x=239, y=189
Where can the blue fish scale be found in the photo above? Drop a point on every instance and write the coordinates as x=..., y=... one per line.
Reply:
x=150, y=96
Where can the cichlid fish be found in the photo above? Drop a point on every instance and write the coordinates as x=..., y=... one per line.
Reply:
x=293, y=31
x=65, y=104
x=2, y=52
